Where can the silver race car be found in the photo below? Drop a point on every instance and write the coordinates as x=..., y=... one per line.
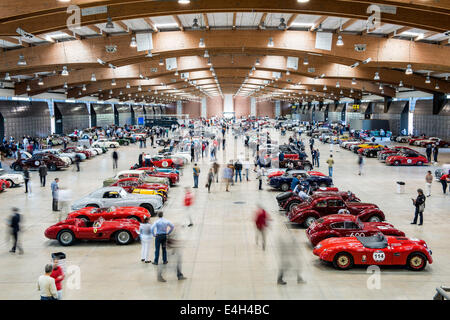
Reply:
x=117, y=196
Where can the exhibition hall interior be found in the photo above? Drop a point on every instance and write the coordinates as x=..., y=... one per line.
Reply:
x=224, y=150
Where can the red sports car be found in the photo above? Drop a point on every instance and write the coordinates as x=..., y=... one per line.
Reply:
x=346, y=252
x=288, y=200
x=318, y=206
x=412, y=140
x=346, y=225
x=78, y=150
x=162, y=162
x=406, y=158
x=382, y=155
x=132, y=183
x=172, y=176
x=4, y=185
x=123, y=231
x=93, y=214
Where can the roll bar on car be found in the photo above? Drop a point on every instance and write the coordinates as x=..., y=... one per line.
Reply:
x=442, y=293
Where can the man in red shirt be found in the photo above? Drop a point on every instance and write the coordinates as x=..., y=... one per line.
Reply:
x=261, y=222
x=445, y=178
x=58, y=275
x=188, y=201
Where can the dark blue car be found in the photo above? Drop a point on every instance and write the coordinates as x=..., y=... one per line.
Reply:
x=284, y=181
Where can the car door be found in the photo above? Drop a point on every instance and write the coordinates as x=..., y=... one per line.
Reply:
x=334, y=205
x=110, y=198
x=352, y=229
x=321, y=207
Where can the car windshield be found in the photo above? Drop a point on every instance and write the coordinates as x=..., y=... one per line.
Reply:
x=98, y=223
x=123, y=193
x=359, y=223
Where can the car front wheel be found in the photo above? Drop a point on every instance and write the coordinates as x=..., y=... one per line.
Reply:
x=149, y=208
x=285, y=187
x=343, y=261
x=309, y=221
x=66, y=237
x=123, y=237
x=416, y=261
x=374, y=218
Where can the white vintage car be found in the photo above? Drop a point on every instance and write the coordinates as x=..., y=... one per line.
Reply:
x=103, y=143
x=13, y=178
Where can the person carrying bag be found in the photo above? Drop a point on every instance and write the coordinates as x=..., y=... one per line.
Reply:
x=419, y=203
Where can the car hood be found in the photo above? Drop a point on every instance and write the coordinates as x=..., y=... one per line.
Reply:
x=360, y=205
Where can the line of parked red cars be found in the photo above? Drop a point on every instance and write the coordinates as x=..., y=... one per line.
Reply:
x=346, y=232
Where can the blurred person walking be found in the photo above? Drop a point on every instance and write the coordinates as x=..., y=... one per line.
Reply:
x=115, y=157
x=429, y=181
x=428, y=151
x=174, y=246
x=58, y=275
x=77, y=162
x=288, y=258
x=259, y=177
x=360, y=163
x=14, y=224
x=237, y=170
x=46, y=284
x=261, y=222
x=216, y=167
x=26, y=177
x=227, y=176
x=145, y=234
x=444, y=180
x=188, y=202
x=210, y=179
x=435, y=153
x=247, y=168
x=42, y=173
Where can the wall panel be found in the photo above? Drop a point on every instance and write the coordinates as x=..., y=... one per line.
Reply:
x=25, y=118
x=125, y=114
x=104, y=114
x=74, y=116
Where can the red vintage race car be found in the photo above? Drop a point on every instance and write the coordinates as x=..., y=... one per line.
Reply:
x=346, y=252
x=318, y=206
x=132, y=183
x=382, y=155
x=162, y=162
x=412, y=140
x=78, y=150
x=288, y=200
x=346, y=225
x=172, y=176
x=4, y=185
x=122, y=231
x=93, y=214
x=406, y=158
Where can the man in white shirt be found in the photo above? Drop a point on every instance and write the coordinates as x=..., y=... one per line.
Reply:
x=46, y=285
x=246, y=168
x=301, y=193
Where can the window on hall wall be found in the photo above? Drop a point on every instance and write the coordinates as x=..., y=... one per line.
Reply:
x=410, y=122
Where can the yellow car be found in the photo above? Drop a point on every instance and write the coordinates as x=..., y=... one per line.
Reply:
x=146, y=191
x=368, y=145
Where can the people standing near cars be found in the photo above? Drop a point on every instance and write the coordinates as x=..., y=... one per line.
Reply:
x=444, y=180
x=14, y=224
x=317, y=158
x=115, y=157
x=55, y=193
x=77, y=162
x=311, y=144
x=196, y=173
x=42, y=173
x=238, y=170
x=428, y=151
x=227, y=176
x=160, y=229
x=419, y=203
x=58, y=275
x=188, y=202
x=330, y=163
x=435, y=153
x=141, y=159
x=145, y=234
x=148, y=160
x=46, y=284
x=428, y=180
x=259, y=177
x=247, y=168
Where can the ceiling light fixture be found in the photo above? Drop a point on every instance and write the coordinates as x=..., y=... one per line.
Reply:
x=206, y=55
x=282, y=25
x=65, y=85
x=408, y=70
x=339, y=41
x=400, y=84
x=377, y=76
x=195, y=24
x=353, y=81
x=22, y=61
x=161, y=62
x=133, y=43
x=324, y=88
x=305, y=61
x=7, y=77
x=64, y=71
x=109, y=24
x=338, y=84
x=201, y=44
x=113, y=82
x=176, y=72
x=28, y=88
x=84, y=87
x=436, y=86
x=209, y=61
x=41, y=82
x=428, y=80
x=128, y=85
x=270, y=44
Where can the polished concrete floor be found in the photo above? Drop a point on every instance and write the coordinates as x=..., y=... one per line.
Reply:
x=221, y=259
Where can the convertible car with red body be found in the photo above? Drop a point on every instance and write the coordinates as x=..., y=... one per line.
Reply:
x=379, y=249
x=172, y=176
x=407, y=158
x=93, y=214
x=318, y=206
x=67, y=232
x=288, y=200
x=4, y=184
x=346, y=225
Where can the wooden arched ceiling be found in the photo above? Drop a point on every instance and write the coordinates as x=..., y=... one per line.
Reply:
x=233, y=52
x=50, y=15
